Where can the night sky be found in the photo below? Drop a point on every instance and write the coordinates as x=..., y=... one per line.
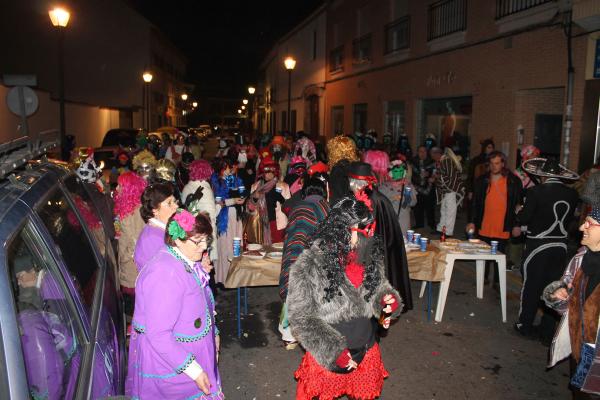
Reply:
x=225, y=41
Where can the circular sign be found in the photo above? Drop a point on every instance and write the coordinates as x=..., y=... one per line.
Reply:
x=30, y=100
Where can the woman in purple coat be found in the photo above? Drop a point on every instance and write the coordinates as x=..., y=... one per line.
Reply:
x=174, y=354
x=158, y=205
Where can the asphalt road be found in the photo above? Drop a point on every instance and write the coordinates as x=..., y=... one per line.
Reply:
x=471, y=354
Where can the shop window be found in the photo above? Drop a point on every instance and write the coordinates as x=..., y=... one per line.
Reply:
x=448, y=120
x=337, y=120
x=360, y=118
x=445, y=17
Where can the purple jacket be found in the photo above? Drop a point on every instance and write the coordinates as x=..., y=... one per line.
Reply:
x=151, y=240
x=173, y=325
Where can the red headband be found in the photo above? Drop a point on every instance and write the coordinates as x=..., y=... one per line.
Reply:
x=369, y=178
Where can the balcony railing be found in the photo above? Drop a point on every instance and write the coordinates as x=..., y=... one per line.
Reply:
x=505, y=8
x=397, y=35
x=446, y=17
x=361, y=49
x=336, y=59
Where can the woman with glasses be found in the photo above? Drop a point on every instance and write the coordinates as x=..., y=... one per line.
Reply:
x=175, y=352
x=577, y=296
x=337, y=287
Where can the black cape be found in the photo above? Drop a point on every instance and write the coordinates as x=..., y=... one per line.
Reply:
x=388, y=228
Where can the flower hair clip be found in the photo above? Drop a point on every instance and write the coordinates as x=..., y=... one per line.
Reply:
x=182, y=222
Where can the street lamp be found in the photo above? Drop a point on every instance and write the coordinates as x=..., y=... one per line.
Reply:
x=243, y=107
x=245, y=101
x=195, y=104
x=184, y=97
x=251, y=89
x=239, y=111
x=147, y=77
x=290, y=64
x=60, y=18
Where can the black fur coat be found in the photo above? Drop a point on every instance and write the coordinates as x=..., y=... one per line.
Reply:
x=311, y=316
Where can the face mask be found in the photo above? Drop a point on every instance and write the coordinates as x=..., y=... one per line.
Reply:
x=242, y=157
x=276, y=148
x=222, y=144
x=397, y=173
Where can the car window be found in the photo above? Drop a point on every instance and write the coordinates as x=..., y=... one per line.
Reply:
x=71, y=241
x=111, y=139
x=50, y=330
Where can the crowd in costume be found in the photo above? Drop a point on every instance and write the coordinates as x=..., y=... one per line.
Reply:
x=340, y=213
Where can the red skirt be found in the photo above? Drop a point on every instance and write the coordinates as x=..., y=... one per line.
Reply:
x=365, y=382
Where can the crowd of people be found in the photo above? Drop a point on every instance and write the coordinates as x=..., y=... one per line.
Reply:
x=341, y=210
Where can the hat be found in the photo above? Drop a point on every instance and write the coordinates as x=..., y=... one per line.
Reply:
x=268, y=165
x=88, y=171
x=278, y=139
x=362, y=171
x=549, y=168
x=529, y=151
x=318, y=168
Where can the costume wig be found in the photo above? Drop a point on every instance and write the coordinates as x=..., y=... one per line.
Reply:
x=341, y=148
x=165, y=169
x=333, y=237
x=129, y=193
x=144, y=157
x=380, y=162
x=200, y=170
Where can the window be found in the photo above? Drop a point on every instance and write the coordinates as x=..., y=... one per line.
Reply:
x=360, y=118
x=336, y=59
x=445, y=17
x=50, y=330
x=509, y=7
x=337, y=120
x=394, y=119
x=397, y=35
x=361, y=50
x=71, y=241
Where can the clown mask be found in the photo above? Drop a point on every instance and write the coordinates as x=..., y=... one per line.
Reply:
x=397, y=172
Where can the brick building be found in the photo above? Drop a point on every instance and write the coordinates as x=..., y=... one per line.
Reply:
x=463, y=71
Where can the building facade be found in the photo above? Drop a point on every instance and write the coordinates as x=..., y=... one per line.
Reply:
x=463, y=71
x=306, y=44
x=107, y=47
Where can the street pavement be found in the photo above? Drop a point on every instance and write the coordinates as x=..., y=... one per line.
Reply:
x=471, y=354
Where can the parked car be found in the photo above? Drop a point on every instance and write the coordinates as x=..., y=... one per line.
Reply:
x=62, y=326
x=116, y=140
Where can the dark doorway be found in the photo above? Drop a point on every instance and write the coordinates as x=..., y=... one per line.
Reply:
x=313, y=112
x=548, y=132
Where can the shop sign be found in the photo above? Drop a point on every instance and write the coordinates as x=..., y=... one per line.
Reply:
x=440, y=79
x=597, y=60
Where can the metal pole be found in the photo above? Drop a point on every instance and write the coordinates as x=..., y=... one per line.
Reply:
x=143, y=110
x=289, y=119
x=61, y=94
x=148, y=117
x=569, y=105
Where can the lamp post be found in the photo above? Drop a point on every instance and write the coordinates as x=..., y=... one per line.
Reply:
x=251, y=90
x=290, y=64
x=60, y=18
x=184, y=97
x=147, y=77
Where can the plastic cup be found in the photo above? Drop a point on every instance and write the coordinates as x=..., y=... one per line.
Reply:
x=417, y=238
x=494, y=248
x=424, y=242
x=410, y=235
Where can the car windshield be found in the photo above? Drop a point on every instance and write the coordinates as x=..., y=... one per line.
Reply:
x=119, y=138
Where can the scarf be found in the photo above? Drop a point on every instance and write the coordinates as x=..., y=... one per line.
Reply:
x=221, y=187
x=263, y=214
x=590, y=266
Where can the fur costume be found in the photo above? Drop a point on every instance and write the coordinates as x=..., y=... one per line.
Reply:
x=319, y=293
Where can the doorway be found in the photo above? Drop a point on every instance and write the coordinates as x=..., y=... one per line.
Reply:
x=548, y=133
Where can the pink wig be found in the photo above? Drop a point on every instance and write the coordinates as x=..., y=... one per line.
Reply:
x=129, y=193
x=379, y=161
x=200, y=170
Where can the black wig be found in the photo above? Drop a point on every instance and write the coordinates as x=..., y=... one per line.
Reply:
x=333, y=237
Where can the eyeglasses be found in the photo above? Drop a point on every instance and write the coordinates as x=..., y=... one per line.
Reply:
x=587, y=223
x=198, y=242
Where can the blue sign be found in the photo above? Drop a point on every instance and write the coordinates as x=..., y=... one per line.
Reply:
x=597, y=60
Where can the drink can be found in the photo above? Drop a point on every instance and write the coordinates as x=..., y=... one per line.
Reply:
x=417, y=238
x=424, y=242
x=410, y=235
x=494, y=244
x=237, y=246
x=277, y=189
x=470, y=234
x=218, y=199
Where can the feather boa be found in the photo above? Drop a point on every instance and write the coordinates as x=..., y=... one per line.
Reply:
x=221, y=187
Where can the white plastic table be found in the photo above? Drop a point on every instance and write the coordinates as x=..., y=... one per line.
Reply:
x=480, y=259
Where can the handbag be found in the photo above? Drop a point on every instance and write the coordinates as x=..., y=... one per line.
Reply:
x=587, y=349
